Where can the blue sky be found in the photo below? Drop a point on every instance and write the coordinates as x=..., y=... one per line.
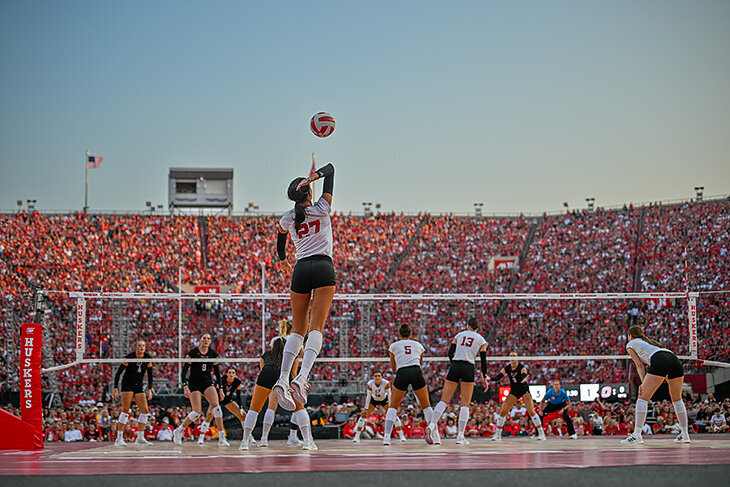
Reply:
x=519, y=105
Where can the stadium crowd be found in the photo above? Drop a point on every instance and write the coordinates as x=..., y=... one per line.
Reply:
x=634, y=249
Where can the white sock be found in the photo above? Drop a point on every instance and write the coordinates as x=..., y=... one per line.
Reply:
x=389, y=420
x=537, y=422
x=141, y=425
x=681, y=411
x=428, y=414
x=249, y=424
x=399, y=426
x=268, y=421
x=204, y=427
x=123, y=418
x=642, y=407
x=291, y=350
x=359, y=426
x=500, y=425
x=437, y=412
x=304, y=425
x=311, y=350
x=463, y=419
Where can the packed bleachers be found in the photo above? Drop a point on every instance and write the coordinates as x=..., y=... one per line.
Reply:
x=600, y=251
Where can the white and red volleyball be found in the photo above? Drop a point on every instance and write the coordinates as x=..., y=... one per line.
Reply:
x=322, y=124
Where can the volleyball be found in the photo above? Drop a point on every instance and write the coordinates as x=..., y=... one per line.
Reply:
x=322, y=124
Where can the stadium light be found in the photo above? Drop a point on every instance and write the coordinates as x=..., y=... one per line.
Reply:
x=699, y=190
x=31, y=204
x=367, y=208
x=590, y=202
x=20, y=204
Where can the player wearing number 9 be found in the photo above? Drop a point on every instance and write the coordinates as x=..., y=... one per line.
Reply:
x=312, y=280
x=462, y=353
x=201, y=384
x=406, y=357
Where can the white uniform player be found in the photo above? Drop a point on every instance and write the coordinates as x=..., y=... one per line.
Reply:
x=378, y=394
x=314, y=235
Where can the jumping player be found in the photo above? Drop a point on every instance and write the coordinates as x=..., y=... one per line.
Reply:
x=312, y=280
x=378, y=394
x=132, y=389
x=462, y=353
x=518, y=388
x=201, y=385
x=663, y=365
x=230, y=386
x=406, y=357
x=270, y=364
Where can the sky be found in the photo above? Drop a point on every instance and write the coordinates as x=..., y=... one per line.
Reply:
x=516, y=105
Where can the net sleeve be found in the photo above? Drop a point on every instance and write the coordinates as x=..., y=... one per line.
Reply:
x=118, y=375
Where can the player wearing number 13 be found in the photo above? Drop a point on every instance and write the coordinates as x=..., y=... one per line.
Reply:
x=312, y=280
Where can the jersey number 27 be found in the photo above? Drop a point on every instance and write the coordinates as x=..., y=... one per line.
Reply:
x=304, y=228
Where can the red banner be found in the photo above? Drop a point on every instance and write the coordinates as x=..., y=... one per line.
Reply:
x=27, y=433
x=207, y=289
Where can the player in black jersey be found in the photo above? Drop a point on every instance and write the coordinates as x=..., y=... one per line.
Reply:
x=201, y=385
x=270, y=365
x=519, y=389
x=230, y=398
x=132, y=388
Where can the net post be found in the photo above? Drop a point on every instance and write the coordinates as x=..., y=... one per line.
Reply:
x=179, y=322
x=80, y=328
x=263, y=308
x=692, y=322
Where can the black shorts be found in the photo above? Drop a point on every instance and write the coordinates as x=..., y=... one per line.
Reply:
x=311, y=273
x=519, y=390
x=226, y=400
x=665, y=364
x=376, y=402
x=268, y=377
x=409, y=376
x=135, y=387
x=460, y=370
x=199, y=386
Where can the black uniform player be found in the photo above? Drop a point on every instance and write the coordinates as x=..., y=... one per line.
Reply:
x=132, y=374
x=230, y=398
x=519, y=388
x=201, y=384
x=270, y=364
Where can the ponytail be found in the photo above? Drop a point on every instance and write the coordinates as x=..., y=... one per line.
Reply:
x=277, y=351
x=298, y=196
x=638, y=332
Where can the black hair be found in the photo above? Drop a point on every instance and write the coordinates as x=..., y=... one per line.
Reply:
x=404, y=330
x=473, y=323
x=298, y=196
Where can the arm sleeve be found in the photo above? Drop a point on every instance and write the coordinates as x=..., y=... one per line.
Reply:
x=452, y=351
x=498, y=377
x=184, y=375
x=217, y=370
x=238, y=396
x=328, y=173
x=368, y=396
x=149, y=377
x=281, y=245
x=483, y=362
x=118, y=375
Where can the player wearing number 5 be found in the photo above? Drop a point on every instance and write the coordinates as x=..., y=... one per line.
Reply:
x=406, y=357
x=462, y=353
x=312, y=280
x=201, y=384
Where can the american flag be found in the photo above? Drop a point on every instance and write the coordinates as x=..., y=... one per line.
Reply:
x=94, y=162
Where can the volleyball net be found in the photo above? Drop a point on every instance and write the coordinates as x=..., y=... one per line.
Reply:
x=578, y=336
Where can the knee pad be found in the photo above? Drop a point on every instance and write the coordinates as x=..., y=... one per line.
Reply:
x=123, y=417
x=217, y=412
x=192, y=416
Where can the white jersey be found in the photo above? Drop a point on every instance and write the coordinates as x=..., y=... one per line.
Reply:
x=644, y=349
x=468, y=344
x=379, y=392
x=407, y=353
x=314, y=235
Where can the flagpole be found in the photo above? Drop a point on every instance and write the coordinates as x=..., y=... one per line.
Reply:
x=314, y=166
x=86, y=185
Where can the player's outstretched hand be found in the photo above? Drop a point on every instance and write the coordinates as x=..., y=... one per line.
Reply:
x=285, y=265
